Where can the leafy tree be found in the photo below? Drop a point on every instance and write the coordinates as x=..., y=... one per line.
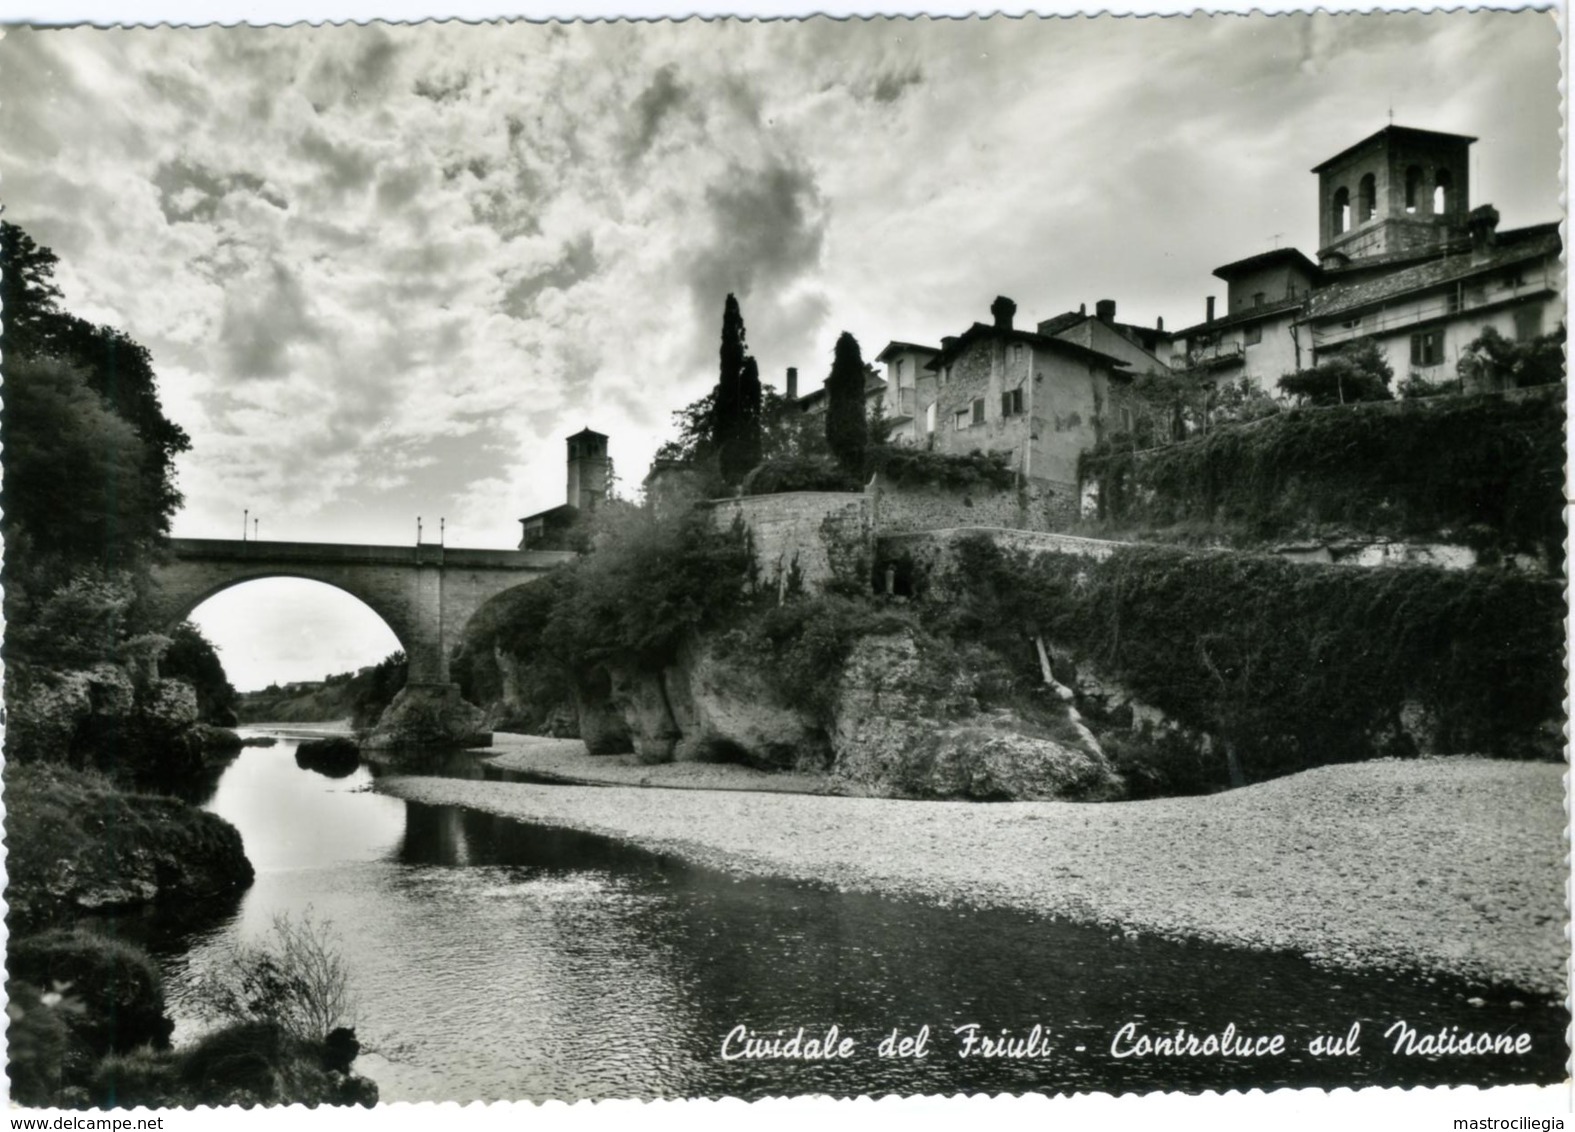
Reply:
x=786, y=430
x=696, y=424
x=118, y=369
x=27, y=287
x=372, y=693
x=191, y=657
x=1493, y=362
x=1358, y=373
x=846, y=430
x=76, y=490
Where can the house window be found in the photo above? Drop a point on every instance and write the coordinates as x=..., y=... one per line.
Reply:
x=978, y=410
x=1012, y=402
x=897, y=369
x=1515, y=277
x=1452, y=300
x=946, y=374
x=1413, y=187
x=1427, y=348
x=1257, y=299
x=929, y=417
x=1443, y=189
x=961, y=418
x=1528, y=323
x=905, y=401
x=1252, y=335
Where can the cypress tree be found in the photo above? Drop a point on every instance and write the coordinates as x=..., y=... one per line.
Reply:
x=846, y=431
x=750, y=398
x=737, y=401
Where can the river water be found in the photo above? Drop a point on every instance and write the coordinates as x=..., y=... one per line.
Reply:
x=498, y=960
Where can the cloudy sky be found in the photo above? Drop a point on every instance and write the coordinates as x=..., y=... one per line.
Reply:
x=384, y=270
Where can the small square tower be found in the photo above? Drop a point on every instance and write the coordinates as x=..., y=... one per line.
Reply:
x=589, y=470
x=1399, y=190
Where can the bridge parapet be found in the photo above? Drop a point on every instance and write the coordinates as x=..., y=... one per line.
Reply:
x=259, y=550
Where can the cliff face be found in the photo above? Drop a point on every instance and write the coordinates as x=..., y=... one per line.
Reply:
x=908, y=730
x=899, y=727
x=107, y=718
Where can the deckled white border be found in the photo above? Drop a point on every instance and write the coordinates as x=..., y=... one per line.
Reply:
x=335, y=11
x=1284, y=1110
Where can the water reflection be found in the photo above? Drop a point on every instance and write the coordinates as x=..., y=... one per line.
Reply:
x=501, y=960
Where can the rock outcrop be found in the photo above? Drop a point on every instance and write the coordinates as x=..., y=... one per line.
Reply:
x=107, y=718
x=78, y=845
x=334, y=757
x=428, y=715
x=902, y=725
x=731, y=712
x=910, y=729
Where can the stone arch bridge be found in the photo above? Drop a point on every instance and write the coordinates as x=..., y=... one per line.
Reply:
x=426, y=594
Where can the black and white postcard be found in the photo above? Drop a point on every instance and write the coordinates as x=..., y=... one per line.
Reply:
x=562, y=560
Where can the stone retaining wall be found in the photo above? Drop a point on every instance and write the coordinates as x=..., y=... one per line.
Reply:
x=1040, y=505
x=815, y=536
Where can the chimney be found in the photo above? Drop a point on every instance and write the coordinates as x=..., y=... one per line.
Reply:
x=947, y=343
x=1082, y=308
x=1105, y=310
x=1159, y=324
x=792, y=383
x=1483, y=226
x=1210, y=316
x=1002, y=310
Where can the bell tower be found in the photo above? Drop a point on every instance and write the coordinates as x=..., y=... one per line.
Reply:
x=589, y=470
x=1399, y=190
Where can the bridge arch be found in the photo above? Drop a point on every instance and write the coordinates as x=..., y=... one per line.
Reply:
x=177, y=609
x=425, y=594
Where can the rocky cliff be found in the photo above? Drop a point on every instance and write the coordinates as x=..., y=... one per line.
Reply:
x=899, y=725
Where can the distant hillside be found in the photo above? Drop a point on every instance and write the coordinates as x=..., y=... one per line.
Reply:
x=357, y=696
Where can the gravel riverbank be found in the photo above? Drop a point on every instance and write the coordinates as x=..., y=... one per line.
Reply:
x=1451, y=865
x=566, y=760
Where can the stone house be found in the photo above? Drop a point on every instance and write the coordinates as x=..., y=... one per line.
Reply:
x=910, y=390
x=1257, y=337
x=1042, y=399
x=1403, y=259
x=1145, y=349
x=874, y=394
x=1424, y=315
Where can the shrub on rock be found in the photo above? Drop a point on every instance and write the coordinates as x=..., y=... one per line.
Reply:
x=335, y=757
x=118, y=985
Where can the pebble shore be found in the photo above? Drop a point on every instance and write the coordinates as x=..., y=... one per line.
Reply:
x=1453, y=865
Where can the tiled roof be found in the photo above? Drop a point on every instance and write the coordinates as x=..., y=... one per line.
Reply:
x=1343, y=297
x=1241, y=318
x=873, y=383
x=1278, y=255
x=980, y=330
x=1053, y=326
x=902, y=347
x=1397, y=133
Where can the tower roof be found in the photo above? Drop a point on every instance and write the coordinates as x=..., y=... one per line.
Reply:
x=588, y=432
x=1393, y=134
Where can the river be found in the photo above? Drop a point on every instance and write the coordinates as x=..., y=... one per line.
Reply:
x=497, y=960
